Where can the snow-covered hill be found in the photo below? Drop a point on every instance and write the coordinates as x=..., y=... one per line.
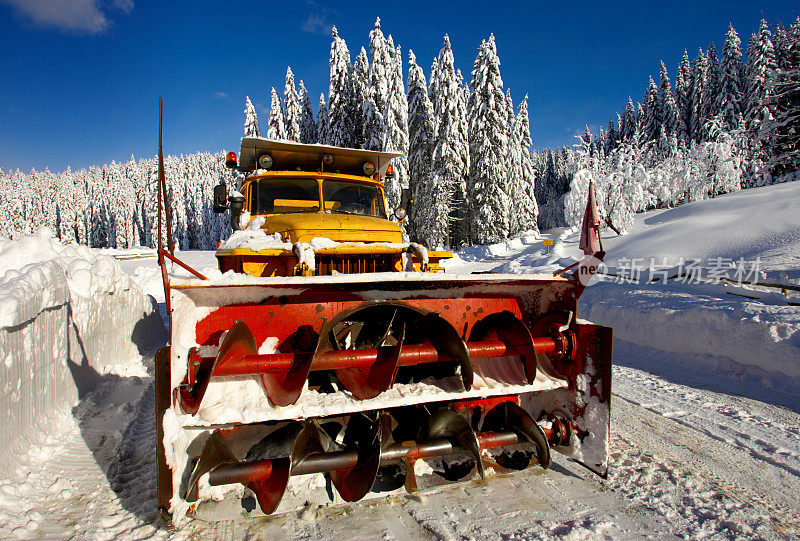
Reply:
x=705, y=423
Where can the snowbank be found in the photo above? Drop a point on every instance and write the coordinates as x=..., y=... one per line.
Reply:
x=681, y=320
x=67, y=316
x=756, y=223
x=763, y=331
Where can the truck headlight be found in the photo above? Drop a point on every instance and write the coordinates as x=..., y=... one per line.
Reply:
x=265, y=161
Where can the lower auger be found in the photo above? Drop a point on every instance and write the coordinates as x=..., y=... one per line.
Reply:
x=351, y=451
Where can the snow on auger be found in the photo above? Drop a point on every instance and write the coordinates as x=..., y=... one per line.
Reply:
x=338, y=361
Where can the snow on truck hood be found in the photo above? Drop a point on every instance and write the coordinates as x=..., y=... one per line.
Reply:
x=320, y=231
x=338, y=227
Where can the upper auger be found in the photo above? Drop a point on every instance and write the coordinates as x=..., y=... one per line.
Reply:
x=366, y=348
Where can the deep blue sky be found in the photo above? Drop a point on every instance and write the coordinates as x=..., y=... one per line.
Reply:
x=80, y=79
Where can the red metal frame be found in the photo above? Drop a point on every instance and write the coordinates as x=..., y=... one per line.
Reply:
x=281, y=317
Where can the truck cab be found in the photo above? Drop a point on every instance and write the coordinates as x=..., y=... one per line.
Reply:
x=313, y=197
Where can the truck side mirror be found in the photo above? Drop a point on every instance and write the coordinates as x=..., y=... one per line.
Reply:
x=406, y=199
x=237, y=205
x=220, y=198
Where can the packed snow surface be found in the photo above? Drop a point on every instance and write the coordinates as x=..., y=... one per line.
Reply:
x=705, y=439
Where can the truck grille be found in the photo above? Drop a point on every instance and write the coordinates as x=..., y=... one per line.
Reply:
x=354, y=264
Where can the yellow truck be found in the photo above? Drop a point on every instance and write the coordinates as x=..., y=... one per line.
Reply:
x=305, y=192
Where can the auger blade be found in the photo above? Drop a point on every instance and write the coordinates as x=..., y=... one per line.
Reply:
x=363, y=435
x=517, y=338
x=369, y=382
x=449, y=425
x=260, y=471
x=215, y=452
x=238, y=342
x=285, y=388
x=510, y=416
x=447, y=341
x=269, y=491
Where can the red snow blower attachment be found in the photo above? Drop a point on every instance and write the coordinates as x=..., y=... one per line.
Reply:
x=282, y=383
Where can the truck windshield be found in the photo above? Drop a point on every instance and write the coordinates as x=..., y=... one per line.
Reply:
x=353, y=198
x=281, y=196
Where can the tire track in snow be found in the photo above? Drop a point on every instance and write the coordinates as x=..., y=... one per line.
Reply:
x=74, y=487
x=655, y=459
x=132, y=471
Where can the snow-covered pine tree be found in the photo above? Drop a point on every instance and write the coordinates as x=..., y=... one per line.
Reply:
x=420, y=135
x=380, y=65
x=670, y=116
x=785, y=99
x=396, y=115
x=781, y=43
x=459, y=209
x=340, y=129
x=65, y=204
x=322, y=120
x=697, y=117
x=527, y=210
x=124, y=199
x=611, y=139
x=432, y=90
x=760, y=71
x=374, y=129
x=446, y=164
x=251, y=128
x=711, y=89
x=792, y=38
x=374, y=109
x=549, y=197
x=628, y=121
x=586, y=140
x=487, y=117
x=513, y=164
x=544, y=174
x=651, y=123
x=729, y=96
x=308, y=128
x=277, y=128
x=683, y=85
x=360, y=94
x=599, y=144
x=639, y=135
x=291, y=108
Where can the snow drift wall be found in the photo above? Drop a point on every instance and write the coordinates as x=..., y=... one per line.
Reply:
x=756, y=335
x=67, y=318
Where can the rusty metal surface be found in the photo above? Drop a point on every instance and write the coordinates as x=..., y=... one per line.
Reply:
x=163, y=400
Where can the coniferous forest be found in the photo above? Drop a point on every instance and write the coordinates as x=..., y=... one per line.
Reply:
x=723, y=122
